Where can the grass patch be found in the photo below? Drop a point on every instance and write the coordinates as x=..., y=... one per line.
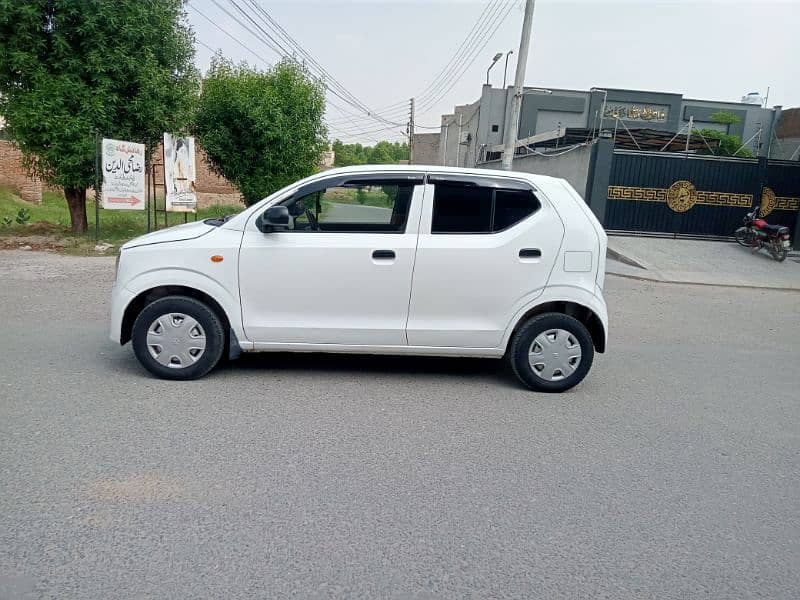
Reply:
x=50, y=219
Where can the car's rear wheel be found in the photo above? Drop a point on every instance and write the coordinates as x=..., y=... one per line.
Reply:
x=178, y=337
x=552, y=352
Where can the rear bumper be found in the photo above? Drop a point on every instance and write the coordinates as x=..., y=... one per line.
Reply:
x=120, y=299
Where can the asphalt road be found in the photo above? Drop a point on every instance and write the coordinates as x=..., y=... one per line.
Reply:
x=671, y=472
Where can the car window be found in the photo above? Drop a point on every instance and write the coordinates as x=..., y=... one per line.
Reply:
x=353, y=207
x=459, y=208
x=511, y=206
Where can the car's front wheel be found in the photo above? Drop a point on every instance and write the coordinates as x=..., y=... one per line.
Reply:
x=177, y=337
x=552, y=352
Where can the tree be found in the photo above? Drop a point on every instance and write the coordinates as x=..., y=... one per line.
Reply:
x=261, y=129
x=69, y=68
x=729, y=145
x=382, y=153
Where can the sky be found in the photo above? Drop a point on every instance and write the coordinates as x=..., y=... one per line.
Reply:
x=384, y=53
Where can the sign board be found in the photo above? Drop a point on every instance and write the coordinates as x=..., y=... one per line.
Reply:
x=123, y=175
x=179, y=173
x=628, y=111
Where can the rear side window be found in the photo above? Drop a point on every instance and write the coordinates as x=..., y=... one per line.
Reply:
x=459, y=208
x=462, y=209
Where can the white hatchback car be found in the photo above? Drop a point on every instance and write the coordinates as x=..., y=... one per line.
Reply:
x=378, y=260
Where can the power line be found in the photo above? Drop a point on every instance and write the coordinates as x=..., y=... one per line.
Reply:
x=499, y=18
x=223, y=30
x=335, y=87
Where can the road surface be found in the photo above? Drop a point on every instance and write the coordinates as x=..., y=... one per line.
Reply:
x=671, y=472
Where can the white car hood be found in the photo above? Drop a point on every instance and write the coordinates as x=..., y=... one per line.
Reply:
x=187, y=231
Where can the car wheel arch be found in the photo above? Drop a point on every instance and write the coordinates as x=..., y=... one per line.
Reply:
x=141, y=300
x=579, y=311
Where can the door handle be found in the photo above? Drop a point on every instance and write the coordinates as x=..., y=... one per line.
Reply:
x=383, y=254
x=530, y=253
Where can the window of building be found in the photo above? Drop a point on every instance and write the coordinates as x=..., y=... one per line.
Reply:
x=495, y=128
x=459, y=208
x=353, y=207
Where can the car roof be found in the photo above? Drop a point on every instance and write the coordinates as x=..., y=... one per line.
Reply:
x=436, y=169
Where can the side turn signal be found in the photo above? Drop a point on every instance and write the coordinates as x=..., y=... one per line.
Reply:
x=217, y=258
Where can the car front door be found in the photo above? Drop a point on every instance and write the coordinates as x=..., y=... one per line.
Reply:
x=486, y=248
x=341, y=272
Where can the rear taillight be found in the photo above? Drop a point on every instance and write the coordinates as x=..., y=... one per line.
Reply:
x=785, y=236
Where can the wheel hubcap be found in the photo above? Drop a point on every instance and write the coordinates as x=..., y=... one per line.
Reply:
x=176, y=340
x=554, y=354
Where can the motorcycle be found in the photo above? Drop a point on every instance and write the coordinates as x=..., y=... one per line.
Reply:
x=757, y=233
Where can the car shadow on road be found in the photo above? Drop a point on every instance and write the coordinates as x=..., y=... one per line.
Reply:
x=348, y=364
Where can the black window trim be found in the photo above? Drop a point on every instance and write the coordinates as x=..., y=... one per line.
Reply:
x=402, y=178
x=495, y=184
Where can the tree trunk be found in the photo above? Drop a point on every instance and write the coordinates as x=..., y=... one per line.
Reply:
x=76, y=200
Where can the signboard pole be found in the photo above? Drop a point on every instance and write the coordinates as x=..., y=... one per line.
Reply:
x=147, y=207
x=97, y=185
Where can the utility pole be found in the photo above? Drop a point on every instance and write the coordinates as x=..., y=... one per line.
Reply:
x=458, y=141
x=510, y=134
x=411, y=134
x=689, y=133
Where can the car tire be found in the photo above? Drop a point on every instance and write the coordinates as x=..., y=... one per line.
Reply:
x=177, y=337
x=543, y=352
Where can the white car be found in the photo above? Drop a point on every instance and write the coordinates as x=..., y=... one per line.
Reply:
x=378, y=260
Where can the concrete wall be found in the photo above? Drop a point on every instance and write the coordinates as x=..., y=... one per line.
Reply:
x=464, y=122
x=572, y=165
x=543, y=112
x=786, y=145
x=426, y=149
x=751, y=118
x=14, y=176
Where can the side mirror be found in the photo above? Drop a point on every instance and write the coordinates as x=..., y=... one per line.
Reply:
x=275, y=217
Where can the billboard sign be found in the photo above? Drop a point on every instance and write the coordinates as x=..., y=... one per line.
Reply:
x=123, y=175
x=179, y=173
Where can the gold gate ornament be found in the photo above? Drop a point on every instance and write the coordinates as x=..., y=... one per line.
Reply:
x=768, y=202
x=681, y=196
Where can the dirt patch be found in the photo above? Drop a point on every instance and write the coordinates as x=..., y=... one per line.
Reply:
x=33, y=242
x=138, y=487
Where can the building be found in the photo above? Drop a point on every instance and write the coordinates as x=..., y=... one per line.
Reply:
x=473, y=133
x=786, y=144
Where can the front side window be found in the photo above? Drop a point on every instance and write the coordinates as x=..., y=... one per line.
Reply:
x=372, y=206
x=459, y=208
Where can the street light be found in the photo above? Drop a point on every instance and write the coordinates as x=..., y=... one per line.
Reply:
x=603, y=108
x=497, y=57
x=505, y=70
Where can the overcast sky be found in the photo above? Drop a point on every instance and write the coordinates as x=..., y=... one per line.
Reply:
x=386, y=52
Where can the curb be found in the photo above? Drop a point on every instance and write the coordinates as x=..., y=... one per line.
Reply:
x=619, y=257
x=702, y=283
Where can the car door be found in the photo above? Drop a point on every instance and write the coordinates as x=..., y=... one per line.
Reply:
x=341, y=272
x=486, y=247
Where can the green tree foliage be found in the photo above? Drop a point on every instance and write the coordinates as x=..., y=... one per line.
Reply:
x=69, y=68
x=729, y=145
x=381, y=153
x=261, y=129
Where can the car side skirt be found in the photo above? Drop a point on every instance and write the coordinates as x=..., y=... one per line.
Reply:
x=358, y=349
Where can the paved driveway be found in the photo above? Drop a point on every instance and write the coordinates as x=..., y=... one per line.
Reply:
x=671, y=472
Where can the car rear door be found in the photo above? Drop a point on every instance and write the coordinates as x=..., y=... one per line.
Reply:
x=486, y=248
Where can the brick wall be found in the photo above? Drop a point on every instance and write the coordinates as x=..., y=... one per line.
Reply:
x=211, y=189
x=14, y=176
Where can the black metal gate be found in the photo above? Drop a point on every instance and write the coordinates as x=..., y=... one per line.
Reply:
x=697, y=195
